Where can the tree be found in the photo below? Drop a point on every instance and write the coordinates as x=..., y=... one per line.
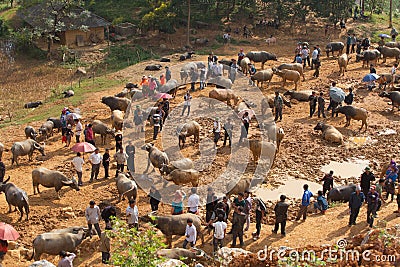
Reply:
x=49, y=18
x=133, y=248
x=390, y=13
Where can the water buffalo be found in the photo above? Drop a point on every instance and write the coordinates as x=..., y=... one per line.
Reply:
x=33, y=104
x=156, y=157
x=101, y=128
x=235, y=187
x=354, y=113
x=244, y=65
x=343, y=60
x=68, y=93
x=293, y=66
x=341, y=193
x=53, y=243
x=30, y=133
x=180, y=177
x=171, y=225
x=57, y=123
x=153, y=67
x=262, y=76
x=329, y=133
x=49, y=178
x=115, y=103
x=126, y=187
x=389, y=52
x=221, y=82
x=186, y=55
x=333, y=47
x=368, y=56
x=186, y=69
x=268, y=102
x=46, y=130
x=394, y=97
x=117, y=118
x=191, y=128
x=224, y=95
x=263, y=149
x=291, y=75
x=15, y=196
x=261, y=56
x=24, y=148
x=182, y=164
x=170, y=87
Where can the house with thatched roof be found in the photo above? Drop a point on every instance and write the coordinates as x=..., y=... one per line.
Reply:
x=74, y=26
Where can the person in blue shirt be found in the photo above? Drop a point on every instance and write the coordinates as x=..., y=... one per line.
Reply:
x=390, y=182
x=322, y=203
x=356, y=200
x=305, y=202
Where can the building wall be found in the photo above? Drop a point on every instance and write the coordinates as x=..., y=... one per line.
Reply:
x=69, y=38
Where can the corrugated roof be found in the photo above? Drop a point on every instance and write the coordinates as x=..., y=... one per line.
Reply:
x=38, y=16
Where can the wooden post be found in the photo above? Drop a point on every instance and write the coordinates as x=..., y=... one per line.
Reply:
x=188, y=25
x=390, y=14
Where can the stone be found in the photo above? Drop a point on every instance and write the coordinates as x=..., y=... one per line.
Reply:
x=12, y=245
x=67, y=209
x=69, y=215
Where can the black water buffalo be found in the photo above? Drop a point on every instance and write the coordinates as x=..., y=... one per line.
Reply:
x=394, y=97
x=16, y=197
x=333, y=47
x=341, y=193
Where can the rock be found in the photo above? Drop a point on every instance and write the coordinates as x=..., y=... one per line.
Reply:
x=171, y=263
x=69, y=215
x=42, y=263
x=67, y=209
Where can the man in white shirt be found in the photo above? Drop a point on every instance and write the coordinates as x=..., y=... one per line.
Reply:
x=314, y=57
x=120, y=157
x=217, y=131
x=92, y=214
x=67, y=259
x=78, y=130
x=78, y=162
x=193, y=201
x=186, y=104
x=95, y=159
x=219, y=233
x=190, y=234
x=132, y=214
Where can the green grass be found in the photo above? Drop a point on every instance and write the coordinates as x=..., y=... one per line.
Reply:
x=53, y=105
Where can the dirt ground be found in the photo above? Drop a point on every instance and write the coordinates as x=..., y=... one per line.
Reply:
x=301, y=155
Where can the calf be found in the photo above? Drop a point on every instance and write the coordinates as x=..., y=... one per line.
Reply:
x=15, y=196
x=30, y=133
x=46, y=130
x=341, y=193
x=291, y=75
x=191, y=128
x=126, y=187
x=333, y=47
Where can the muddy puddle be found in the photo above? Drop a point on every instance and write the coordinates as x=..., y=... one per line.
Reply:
x=346, y=169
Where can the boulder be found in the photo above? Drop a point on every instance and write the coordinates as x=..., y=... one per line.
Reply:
x=42, y=263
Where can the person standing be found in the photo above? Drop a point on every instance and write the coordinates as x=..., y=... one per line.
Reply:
x=353, y=43
x=106, y=163
x=120, y=157
x=203, y=75
x=118, y=140
x=190, y=234
x=210, y=204
x=67, y=259
x=372, y=205
x=350, y=97
x=193, y=201
x=132, y=214
x=379, y=188
x=105, y=246
x=241, y=55
x=168, y=74
x=157, y=124
x=194, y=75
x=63, y=119
x=177, y=203
x=312, y=99
x=77, y=162
x=356, y=200
x=328, y=182
x=138, y=119
x=219, y=233
x=130, y=151
x=317, y=66
x=107, y=213
x=321, y=105
x=281, y=209
x=165, y=108
x=2, y=170
x=68, y=134
x=305, y=202
x=314, y=57
x=238, y=221
x=216, y=131
x=393, y=73
x=92, y=214
x=245, y=126
x=260, y=212
x=366, y=178
x=398, y=199
x=228, y=127
x=186, y=104
x=155, y=198
x=89, y=135
x=95, y=159
x=305, y=56
x=78, y=130
x=278, y=105
x=348, y=43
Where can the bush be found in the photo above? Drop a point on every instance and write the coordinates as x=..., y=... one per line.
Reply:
x=133, y=248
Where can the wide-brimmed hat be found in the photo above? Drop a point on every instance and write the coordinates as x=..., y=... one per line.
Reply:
x=367, y=168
